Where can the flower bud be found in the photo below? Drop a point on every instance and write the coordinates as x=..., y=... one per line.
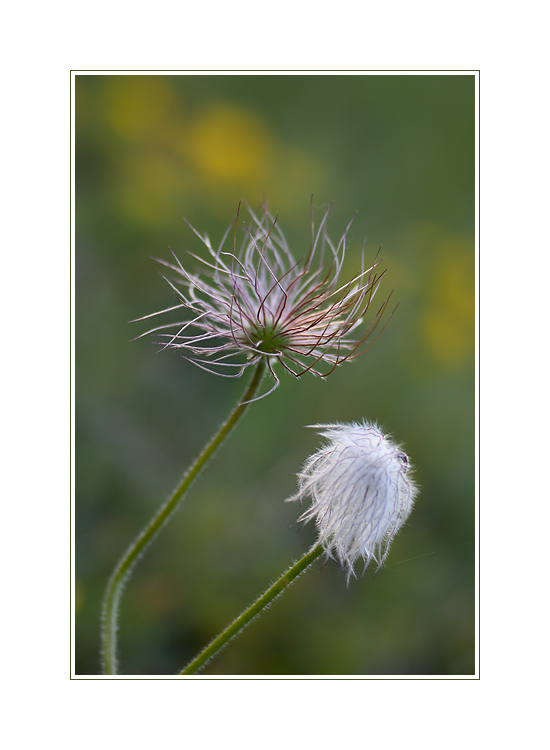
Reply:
x=361, y=492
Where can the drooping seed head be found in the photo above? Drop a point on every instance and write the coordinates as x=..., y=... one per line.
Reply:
x=361, y=492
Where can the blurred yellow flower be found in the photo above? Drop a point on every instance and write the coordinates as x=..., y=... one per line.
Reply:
x=137, y=105
x=449, y=320
x=229, y=143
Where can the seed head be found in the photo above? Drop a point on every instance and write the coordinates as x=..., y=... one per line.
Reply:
x=361, y=492
x=259, y=301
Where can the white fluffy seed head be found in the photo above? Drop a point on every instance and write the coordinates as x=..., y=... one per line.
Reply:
x=361, y=492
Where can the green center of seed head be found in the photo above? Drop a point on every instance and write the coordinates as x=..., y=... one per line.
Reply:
x=268, y=338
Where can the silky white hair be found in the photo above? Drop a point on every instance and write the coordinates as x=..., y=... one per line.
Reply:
x=361, y=492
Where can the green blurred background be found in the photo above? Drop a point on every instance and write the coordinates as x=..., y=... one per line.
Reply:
x=152, y=149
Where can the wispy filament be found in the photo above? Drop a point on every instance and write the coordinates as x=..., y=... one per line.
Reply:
x=259, y=301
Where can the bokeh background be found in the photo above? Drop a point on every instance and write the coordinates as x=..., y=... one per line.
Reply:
x=152, y=149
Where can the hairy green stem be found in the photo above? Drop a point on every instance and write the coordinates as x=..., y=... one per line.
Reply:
x=136, y=549
x=253, y=611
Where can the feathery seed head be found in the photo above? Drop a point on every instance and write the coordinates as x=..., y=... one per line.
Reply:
x=258, y=301
x=361, y=492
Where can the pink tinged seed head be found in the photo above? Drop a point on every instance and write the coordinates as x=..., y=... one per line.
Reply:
x=257, y=301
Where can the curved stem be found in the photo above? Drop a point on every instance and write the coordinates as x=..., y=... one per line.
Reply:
x=254, y=610
x=136, y=549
